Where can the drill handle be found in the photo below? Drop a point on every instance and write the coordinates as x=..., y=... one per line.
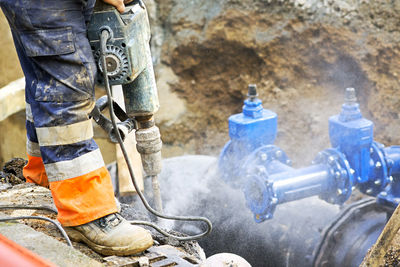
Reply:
x=102, y=103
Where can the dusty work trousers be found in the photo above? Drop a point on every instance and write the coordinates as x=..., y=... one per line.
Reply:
x=55, y=55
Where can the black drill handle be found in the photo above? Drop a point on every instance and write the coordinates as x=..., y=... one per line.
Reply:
x=125, y=126
x=102, y=103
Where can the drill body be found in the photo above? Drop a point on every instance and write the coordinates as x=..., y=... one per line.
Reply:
x=129, y=63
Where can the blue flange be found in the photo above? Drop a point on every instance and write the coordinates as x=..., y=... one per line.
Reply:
x=257, y=188
x=341, y=180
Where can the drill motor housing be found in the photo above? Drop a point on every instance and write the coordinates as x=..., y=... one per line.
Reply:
x=129, y=63
x=128, y=55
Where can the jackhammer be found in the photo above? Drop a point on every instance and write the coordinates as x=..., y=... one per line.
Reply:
x=120, y=43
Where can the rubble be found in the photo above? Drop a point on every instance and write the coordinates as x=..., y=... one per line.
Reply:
x=392, y=258
x=12, y=172
x=165, y=252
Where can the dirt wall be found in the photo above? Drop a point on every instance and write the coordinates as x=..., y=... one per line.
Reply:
x=301, y=54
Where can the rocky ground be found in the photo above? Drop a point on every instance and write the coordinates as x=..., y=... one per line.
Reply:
x=15, y=192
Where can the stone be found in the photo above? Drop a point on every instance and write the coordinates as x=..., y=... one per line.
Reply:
x=45, y=246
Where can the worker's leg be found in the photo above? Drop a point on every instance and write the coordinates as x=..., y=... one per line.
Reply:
x=34, y=171
x=79, y=181
x=60, y=71
x=59, y=67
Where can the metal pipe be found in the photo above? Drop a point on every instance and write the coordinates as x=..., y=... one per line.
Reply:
x=264, y=189
x=300, y=183
x=156, y=193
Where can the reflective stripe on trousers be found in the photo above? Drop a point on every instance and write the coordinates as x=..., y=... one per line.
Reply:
x=55, y=55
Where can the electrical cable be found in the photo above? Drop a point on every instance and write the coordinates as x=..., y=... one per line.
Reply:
x=156, y=227
x=105, y=35
x=63, y=233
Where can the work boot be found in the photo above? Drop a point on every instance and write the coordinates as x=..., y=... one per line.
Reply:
x=111, y=235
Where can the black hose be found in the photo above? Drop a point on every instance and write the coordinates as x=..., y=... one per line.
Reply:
x=105, y=35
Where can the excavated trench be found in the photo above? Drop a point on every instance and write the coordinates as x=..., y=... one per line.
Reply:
x=302, y=54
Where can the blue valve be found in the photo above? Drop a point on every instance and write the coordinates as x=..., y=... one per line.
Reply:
x=254, y=128
x=352, y=135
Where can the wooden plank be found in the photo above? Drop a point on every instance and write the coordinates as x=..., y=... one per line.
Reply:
x=12, y=98
x=125, y=183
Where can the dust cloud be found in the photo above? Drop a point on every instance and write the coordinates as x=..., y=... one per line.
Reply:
x=191, y=186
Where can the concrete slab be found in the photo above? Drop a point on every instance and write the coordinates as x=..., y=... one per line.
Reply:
x=45, y=246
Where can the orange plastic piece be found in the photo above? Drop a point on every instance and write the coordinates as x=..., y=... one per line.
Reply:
x=34, y=171
x=84, y=198
x=14, y=255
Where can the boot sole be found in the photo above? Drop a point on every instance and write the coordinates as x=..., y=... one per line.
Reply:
x=77, y=236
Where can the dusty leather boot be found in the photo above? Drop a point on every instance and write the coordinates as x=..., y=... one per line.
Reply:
x=111, y=235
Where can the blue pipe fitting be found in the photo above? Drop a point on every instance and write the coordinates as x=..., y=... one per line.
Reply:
x=340, y=179
x=255, y=127
x=257, y=188
x=268, y=185
x=378, y=173
x=260, y=197
x=392, y=156
x=352, y=135
x=391, y=195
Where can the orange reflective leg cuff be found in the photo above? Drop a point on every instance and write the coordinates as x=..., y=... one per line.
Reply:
x=85, y=198
x=34, y=171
